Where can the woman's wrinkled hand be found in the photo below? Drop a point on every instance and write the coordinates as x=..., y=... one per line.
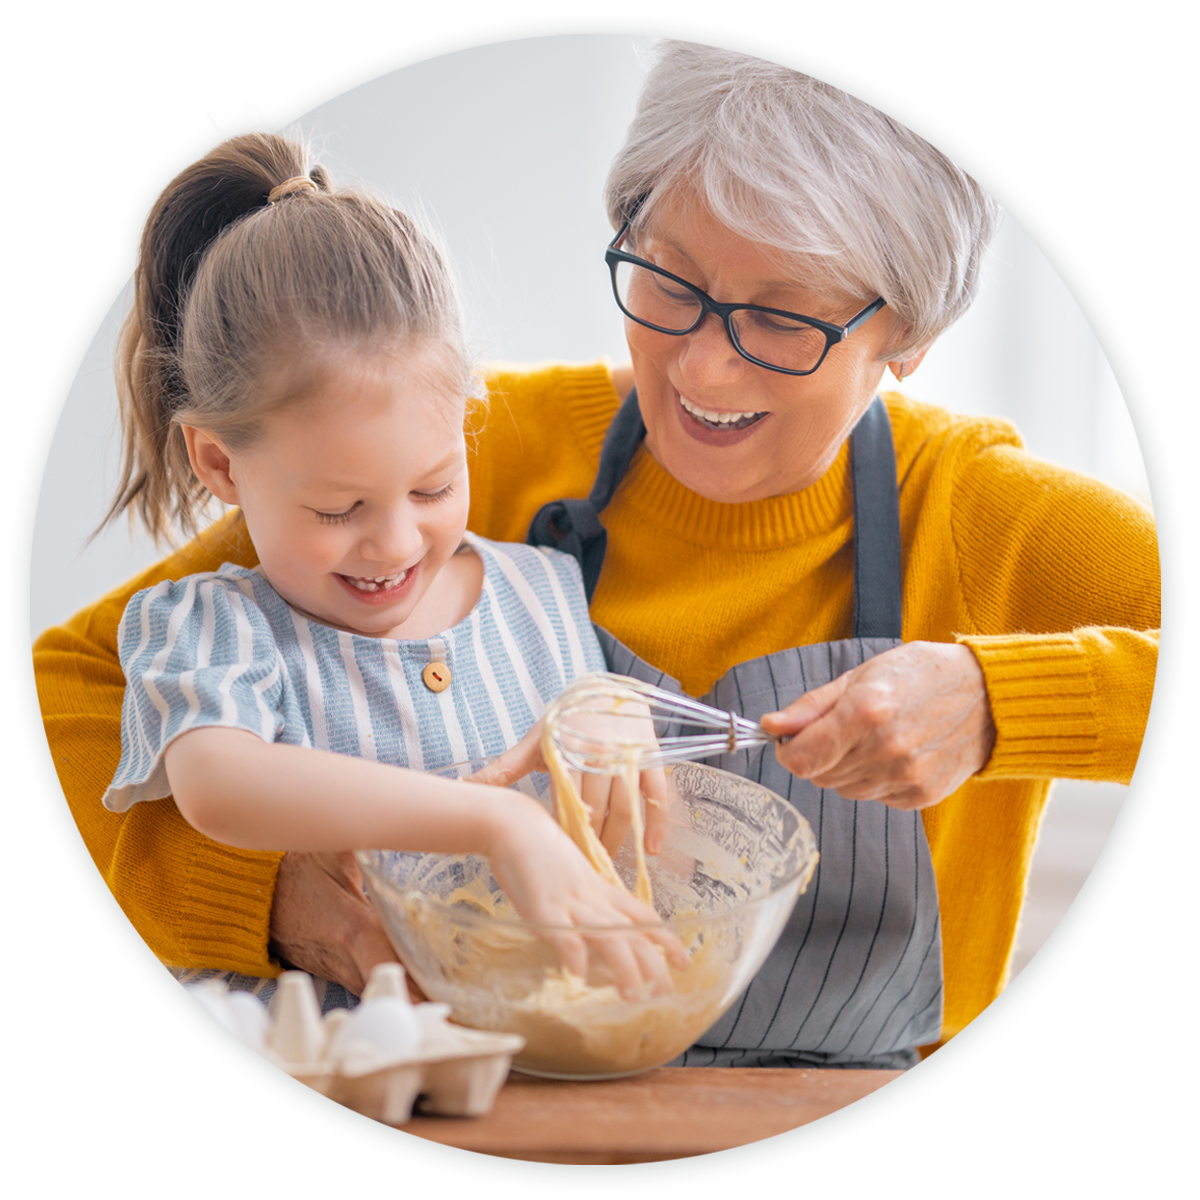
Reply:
x=908, y=727
x=323, y=923
x=606, y=796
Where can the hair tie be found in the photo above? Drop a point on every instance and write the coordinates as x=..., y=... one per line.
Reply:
x=297, y=183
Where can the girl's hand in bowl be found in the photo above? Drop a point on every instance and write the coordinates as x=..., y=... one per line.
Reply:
x=550, y=882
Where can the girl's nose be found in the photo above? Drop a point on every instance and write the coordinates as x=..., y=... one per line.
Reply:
x=392, y=540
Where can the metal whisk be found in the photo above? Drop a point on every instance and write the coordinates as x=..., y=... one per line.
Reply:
x=601, y=722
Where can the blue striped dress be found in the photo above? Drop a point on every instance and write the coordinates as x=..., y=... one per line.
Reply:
x=225, y=649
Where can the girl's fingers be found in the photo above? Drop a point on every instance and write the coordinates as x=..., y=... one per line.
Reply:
x=651, y=927
x=576, y=778
x=668, y=945
x=617, y=952
x=573, y=952
x=593, y=791
x=652, y=965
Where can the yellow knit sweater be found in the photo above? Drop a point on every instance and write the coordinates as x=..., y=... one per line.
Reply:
x=1051, y=578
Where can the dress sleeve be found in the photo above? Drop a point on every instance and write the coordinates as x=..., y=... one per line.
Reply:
x=197, y=652
x=1060, y=575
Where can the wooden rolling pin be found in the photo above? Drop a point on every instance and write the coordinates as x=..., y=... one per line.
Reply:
x=1090, y=1111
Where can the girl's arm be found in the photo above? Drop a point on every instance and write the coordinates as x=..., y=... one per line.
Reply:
x=237, y=789
x=240, y=790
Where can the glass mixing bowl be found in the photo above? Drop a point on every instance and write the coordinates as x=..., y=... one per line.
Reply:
x=735, y=857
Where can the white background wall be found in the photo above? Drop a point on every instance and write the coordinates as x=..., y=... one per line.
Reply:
x=507, y=148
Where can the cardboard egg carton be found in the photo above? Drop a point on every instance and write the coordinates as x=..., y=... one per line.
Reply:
x=376, y=1058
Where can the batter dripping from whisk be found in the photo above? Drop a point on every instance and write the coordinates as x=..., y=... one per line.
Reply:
x=574, y=814
x=565, y=745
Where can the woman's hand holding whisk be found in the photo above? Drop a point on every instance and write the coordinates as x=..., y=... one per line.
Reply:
x=907, y=728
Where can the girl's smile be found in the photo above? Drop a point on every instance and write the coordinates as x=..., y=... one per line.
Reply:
x=382, y=590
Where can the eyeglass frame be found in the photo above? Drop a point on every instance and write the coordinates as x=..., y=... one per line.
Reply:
x=834, y=334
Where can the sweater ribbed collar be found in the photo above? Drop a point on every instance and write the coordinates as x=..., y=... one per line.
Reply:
x=678, y=511
x=754, y=525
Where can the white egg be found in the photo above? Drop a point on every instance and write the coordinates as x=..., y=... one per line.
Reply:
x=249, y=1016
x=57, y=1013
x=384, y=1030
x=106, y=1050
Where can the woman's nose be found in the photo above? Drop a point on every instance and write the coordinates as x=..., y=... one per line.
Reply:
x=707, y=356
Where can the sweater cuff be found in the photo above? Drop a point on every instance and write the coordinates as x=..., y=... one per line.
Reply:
x=1043, y=702
x=226, y=917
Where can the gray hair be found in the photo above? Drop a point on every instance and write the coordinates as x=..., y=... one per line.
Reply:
x=866, y=207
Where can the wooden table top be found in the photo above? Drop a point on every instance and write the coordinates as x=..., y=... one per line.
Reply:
x=673, y=1112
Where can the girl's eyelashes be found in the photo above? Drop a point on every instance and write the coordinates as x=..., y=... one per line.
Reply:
x=339, y=518
x=433, y=497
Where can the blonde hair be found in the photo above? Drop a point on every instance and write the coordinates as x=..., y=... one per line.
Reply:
x=788, y=161
x=232, y=287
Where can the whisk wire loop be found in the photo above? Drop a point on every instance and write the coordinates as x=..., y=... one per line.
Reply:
x=602, y=722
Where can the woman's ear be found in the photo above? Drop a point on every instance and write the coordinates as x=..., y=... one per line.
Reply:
x=903, y=367
x=212, y=464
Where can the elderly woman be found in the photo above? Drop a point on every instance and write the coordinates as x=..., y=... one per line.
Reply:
x=942, y=623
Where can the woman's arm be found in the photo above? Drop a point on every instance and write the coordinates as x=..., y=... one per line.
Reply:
x=194, y=901
x=1053, y=670
x=323, y=923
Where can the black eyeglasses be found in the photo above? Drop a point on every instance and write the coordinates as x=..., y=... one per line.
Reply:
x=768, y=337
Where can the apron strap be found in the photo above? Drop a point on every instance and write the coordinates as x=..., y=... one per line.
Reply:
x=573, y=525
x=878, y=582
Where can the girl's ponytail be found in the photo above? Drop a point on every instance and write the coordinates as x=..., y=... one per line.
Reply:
x=252, y=268
x=200, y=203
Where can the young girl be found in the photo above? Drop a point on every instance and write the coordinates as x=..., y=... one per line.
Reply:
x=297, y=351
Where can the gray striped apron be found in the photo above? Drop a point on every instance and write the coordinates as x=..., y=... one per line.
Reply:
x=856, y=977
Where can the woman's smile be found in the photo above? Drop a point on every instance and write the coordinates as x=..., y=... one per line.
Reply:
x=712, y=427
x=723, y=421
